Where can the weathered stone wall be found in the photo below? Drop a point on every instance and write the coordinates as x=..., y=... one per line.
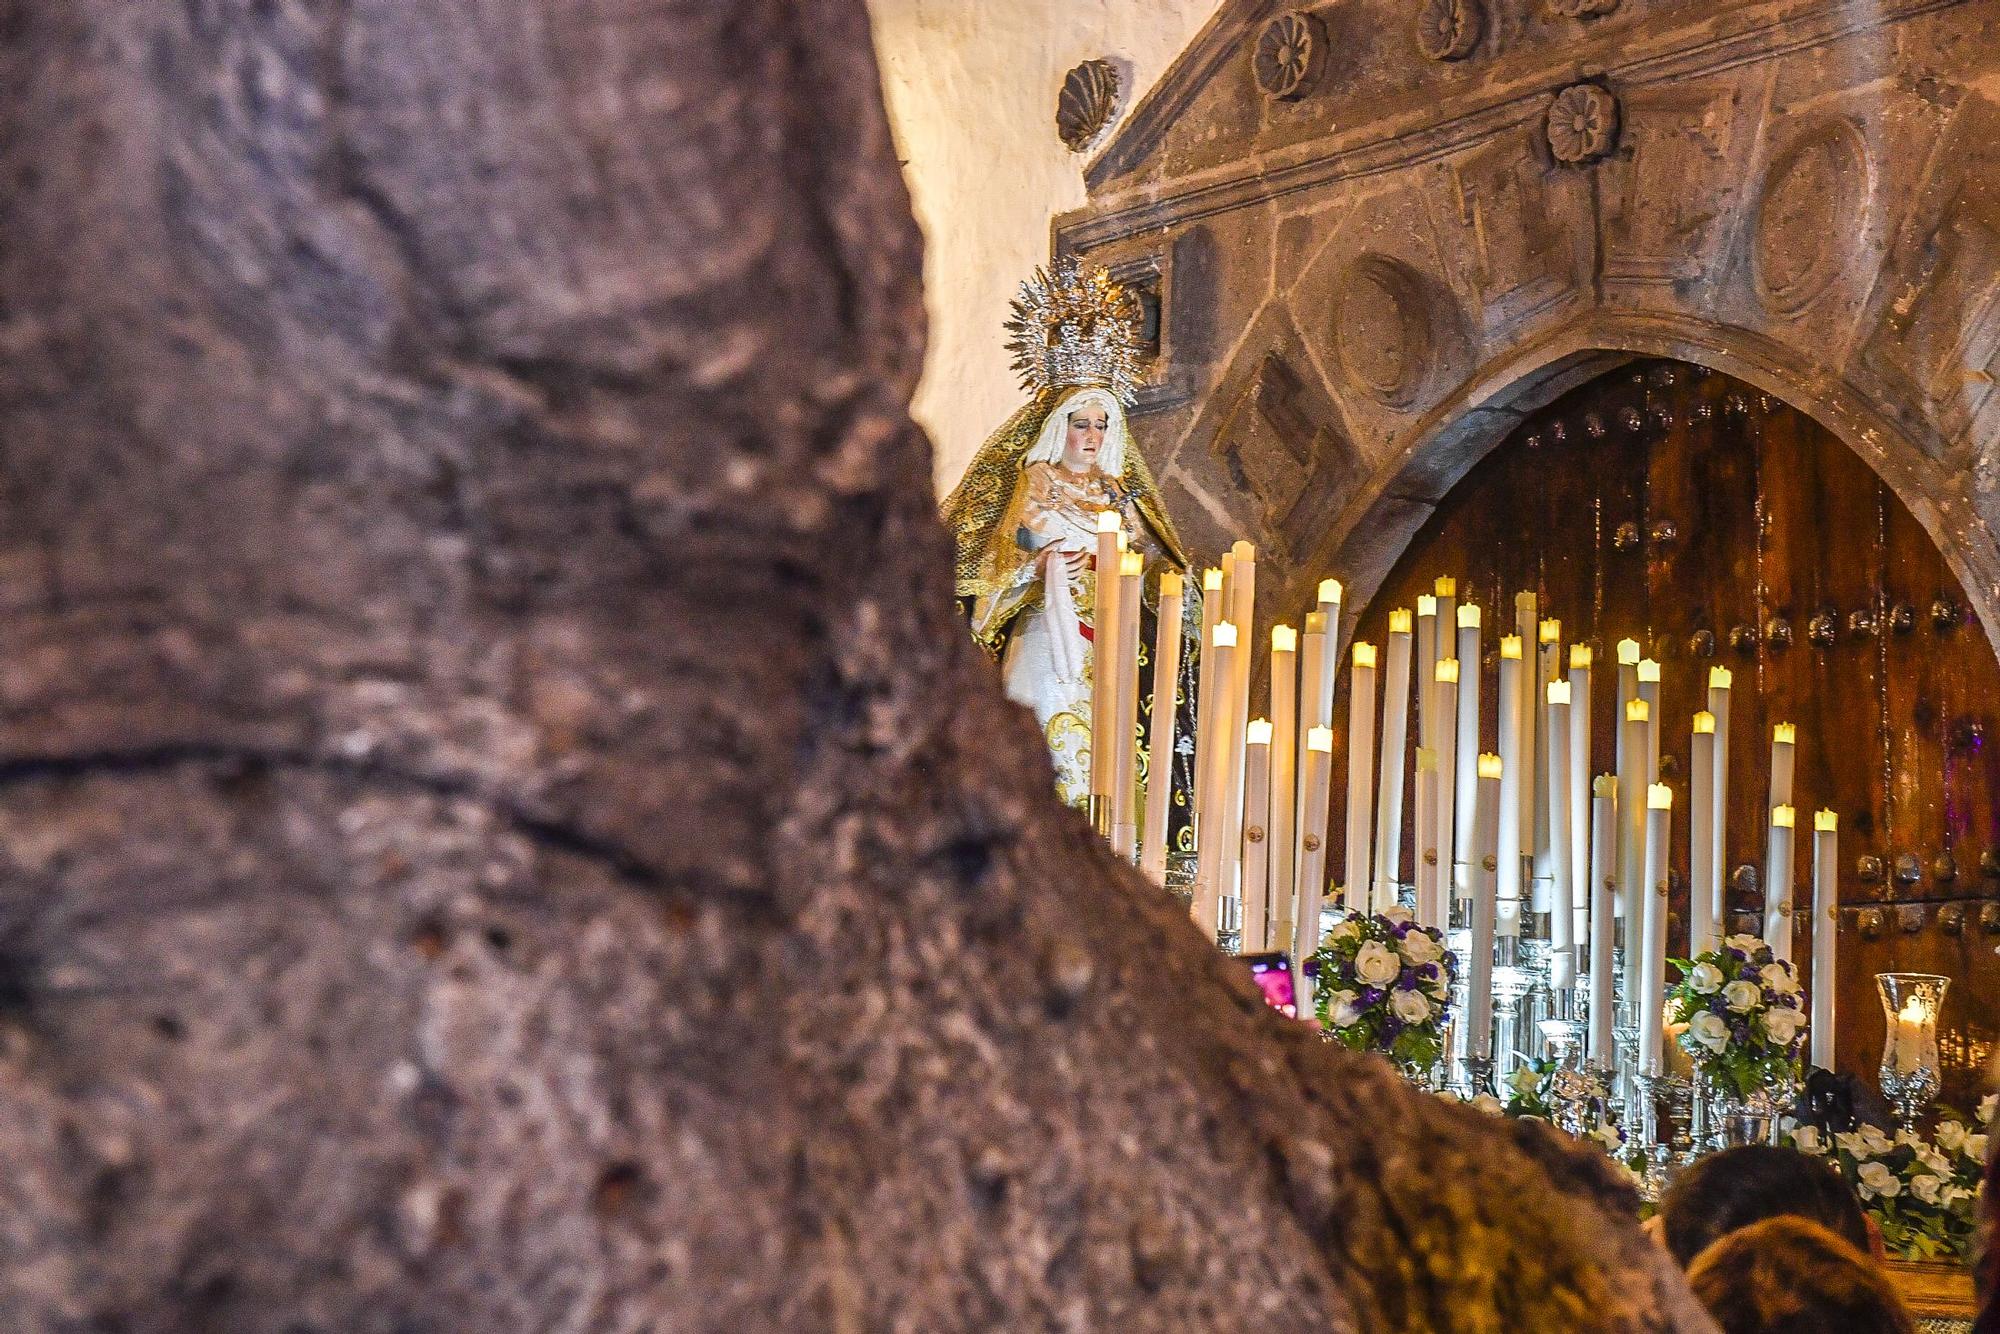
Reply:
x=501, y=824
x=1373, y=258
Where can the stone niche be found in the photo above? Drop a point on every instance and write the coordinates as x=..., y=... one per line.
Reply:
x=1381, y=233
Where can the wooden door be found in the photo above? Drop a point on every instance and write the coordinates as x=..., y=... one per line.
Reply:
x=1716, y=525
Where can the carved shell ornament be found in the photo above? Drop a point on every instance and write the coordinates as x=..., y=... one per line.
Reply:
x=1449, y=29
x=1088, y=100
x=1290, y=56
x=1583, y=123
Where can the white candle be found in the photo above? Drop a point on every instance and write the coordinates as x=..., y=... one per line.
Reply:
x=1784, y=762
x=1316, y=781
x=1256, y=884
x=1360, y=772
x=1445, y=590
x=1778, y=885
x=1125, y=758
x=1649, y=690
x=1444, y=831
x=1242, y=611
x=1562, y=917
x=1423, y=665
x=1160, y=737
x=1104, y=652
x=1526, y=620
x=1548, y=670
x=1651, y=998
x=1908, y=1047
x=1211, y=741
x=1312, y=655
x=1465, y=770
x=1427, y=859
x=1284, y=797
x=1485, y=907
x=1703, y=884
x=1629, y=772
x=1517, y=761
x=1632, y=822
x=1330, y=593
x=1719, y=683
x=1825, y=927
x=1603, y=923
x=1579, y=788
x=1395, y=743
x=1208, y=708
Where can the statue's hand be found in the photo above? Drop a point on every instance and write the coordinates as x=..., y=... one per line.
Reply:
x=1074, y=561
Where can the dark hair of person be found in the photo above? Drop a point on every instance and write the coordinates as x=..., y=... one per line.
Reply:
x=1789, y=1275
x=1736, y=1187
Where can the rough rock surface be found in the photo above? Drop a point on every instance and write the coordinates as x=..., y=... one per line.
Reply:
x=501, y=828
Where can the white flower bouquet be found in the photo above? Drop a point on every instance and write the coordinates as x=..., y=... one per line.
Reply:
x=1745, y=1025
x=1922, y=1192
x=1385, y=985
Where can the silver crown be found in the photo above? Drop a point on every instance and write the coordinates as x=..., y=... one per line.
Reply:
x=1075, y=329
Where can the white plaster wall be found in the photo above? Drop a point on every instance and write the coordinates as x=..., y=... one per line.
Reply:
x=971, y=87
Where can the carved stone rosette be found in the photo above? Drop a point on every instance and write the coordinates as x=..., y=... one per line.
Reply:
x=1088, y=100
x=1290, y=56
x=1449, y=29
x=1583, y=123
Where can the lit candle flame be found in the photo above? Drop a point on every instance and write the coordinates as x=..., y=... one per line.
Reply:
x=1447, y=671
x=1489, y=766
x=1284, y=639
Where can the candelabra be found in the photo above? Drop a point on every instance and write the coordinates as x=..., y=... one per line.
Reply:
x=1511, y=981
x=1665, y=1105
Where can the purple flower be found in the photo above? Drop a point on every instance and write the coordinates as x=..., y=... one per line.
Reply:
x=1429, y=970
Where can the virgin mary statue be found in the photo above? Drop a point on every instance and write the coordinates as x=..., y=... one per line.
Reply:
x=1025, y=514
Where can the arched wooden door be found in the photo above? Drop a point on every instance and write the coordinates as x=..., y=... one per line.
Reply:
x=1711, y=522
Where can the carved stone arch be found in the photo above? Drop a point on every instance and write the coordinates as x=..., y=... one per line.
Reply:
x=1474, y=416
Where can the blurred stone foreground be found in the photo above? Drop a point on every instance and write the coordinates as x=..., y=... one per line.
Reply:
x=502, y=829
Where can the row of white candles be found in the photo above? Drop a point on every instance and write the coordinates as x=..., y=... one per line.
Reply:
x=1598, y=844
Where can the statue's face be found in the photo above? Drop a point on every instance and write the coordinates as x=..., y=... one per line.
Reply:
x=1085, y=438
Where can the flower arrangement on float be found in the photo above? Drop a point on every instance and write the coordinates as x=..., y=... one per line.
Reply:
x=1744, y=1024
x=1385, y=986
x=1923, y=1191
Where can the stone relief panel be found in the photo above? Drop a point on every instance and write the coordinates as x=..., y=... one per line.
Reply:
x=1383, y=329
x=1815, y=196
x=1675, y=181
x=1268, y=451
x=1511, y=229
